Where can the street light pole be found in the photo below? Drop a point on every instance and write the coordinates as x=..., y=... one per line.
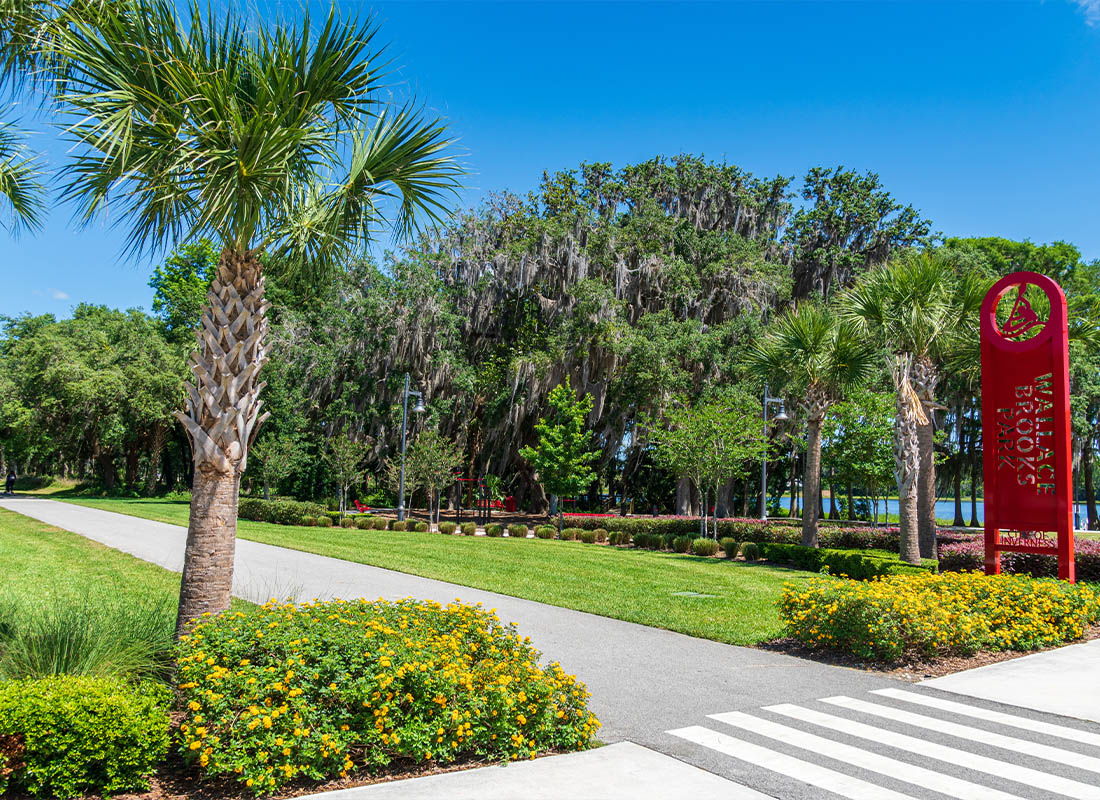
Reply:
x=418, y=409
x=782, y=415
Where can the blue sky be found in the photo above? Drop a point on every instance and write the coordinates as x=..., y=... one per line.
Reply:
x=985, y=116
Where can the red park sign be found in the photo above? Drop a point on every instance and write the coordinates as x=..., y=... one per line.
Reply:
x=1026, y=422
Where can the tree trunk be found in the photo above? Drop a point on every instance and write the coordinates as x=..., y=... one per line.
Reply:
x=834, y=510
x=907, y=416
x=156, y=448
x=926, y=487
x=683, y=497
x=745, y=498
x=974, y=492
x=207, y=584
x=221, y=420
x=851, y=506
x=132, y=457
x=722, y=501
x=960, y=443
x=811, y=482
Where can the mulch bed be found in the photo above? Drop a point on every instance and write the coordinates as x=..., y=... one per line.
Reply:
x=912, y=670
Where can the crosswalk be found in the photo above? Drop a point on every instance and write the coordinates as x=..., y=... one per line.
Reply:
x=900, y=744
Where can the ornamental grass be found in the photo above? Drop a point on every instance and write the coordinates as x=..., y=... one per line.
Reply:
x=926, y=615
x=327, y=689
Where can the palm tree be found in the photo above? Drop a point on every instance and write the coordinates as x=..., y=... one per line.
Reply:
x=815, y=358
x=920, y=309
x=271, y=142
x=20, y=187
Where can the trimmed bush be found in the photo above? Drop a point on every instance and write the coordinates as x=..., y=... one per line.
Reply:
x=308, y=521
x=729, y=547
x=704, y=547
x=328, y=689
x=517, y=531
x=83, y=735
x=616, y=537
x=546, y=531
x=601, y=535
x=849, y=563
x=334, y=516
x=750, y=551
x=364, y=523
x=324, y=522
x=967, y=554
x=927, y=615
x=469, y=528
x=379, y=523
x=398, y=525
x=422, y=527
x=448, y=527
x=570, y=534
x=681, y=544
x=347, y=522
x=588, y=537
x=494, y=529
x=281, y=512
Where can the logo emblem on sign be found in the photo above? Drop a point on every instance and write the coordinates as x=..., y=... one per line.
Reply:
x=1022, y=318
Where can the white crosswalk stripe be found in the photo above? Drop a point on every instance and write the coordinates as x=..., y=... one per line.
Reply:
x=808, y=750
x=1009, y=720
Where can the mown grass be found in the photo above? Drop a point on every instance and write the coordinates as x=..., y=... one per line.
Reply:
x=633, y=585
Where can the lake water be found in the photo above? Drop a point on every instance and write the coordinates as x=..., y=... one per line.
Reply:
x=945, y=509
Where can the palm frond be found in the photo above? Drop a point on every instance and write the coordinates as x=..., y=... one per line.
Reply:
x=21, y=188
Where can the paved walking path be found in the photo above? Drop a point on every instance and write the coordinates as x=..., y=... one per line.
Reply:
x=783, y=726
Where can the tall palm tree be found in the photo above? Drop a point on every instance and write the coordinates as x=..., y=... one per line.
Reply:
x=21, y=188
x=921, y=310
x=815, y=358
x=273, y=142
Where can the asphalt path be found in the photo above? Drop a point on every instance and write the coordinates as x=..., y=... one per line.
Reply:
x=657, y=688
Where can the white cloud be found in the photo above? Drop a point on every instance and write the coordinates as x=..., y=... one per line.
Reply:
x=57, y=294
x=1091, y=10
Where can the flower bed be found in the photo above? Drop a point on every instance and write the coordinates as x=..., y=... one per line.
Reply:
x=329, y=688
x=928, y=615
x=969, y=554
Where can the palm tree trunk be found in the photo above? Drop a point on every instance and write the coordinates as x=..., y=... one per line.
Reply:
x=811, y=481
x=907, y=414
x=221, y=420
x=960, y=463
x=926, y=487
x=156, y=448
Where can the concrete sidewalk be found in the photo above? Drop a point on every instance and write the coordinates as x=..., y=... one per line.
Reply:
x=623, y=771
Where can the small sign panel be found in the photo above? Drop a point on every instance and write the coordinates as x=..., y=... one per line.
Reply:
x=1026, y=421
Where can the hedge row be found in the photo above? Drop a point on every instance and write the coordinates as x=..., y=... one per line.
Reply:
x=967, y=555
x=281, y=512
x=839, y=562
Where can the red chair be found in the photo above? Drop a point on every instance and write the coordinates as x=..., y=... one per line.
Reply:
x=362, y=509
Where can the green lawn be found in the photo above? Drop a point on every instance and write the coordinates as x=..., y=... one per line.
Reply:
x=41, y=562
x=633, y=585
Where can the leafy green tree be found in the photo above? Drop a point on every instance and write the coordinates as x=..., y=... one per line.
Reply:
x=431, y=462
x=917, y=307
x=562, y=458
x=858, y=435
x=815, y=358
x=849, y=224
x=277, y=457
x=281, y=144
x=711, y=443
x=345, y=460
x=180, y=286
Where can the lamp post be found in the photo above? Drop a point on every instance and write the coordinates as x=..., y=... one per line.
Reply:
x=417, y=409
x=782, y=415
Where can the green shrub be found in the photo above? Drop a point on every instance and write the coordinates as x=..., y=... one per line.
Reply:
x=469, y=528
x=668, y=540
x=926, y=615
x=730, y=547
x=379, y=523
x=84, y=735
x=281, y=512
x=546, y=531
x=324, y=522
x=335, y=516
x=570, y=534
x=850, y=563
x=750, y=551
x=308, y=521
x=423, y=527
x=704, y=547
x=347, y=522
x=517, y=531
x=588, y=537
x=616, y=537
x=448, y=527
x=364, y=523
x=494, y=529
x=331, y=688
x=681, y=544
x=398, y=525
x=601, y=535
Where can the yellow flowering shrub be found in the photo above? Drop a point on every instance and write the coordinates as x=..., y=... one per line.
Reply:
x=928, y=615
x=325, y=689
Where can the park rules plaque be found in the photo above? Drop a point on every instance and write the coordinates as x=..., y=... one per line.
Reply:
x=1026, y=421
